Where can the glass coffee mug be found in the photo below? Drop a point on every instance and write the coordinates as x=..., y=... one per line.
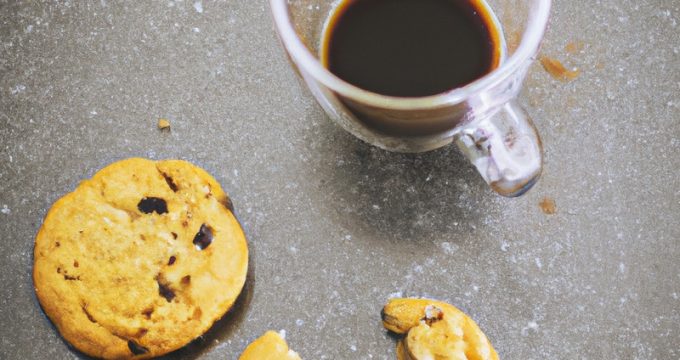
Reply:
x=482, y=118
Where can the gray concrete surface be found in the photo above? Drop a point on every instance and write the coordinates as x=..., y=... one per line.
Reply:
x=337, y=226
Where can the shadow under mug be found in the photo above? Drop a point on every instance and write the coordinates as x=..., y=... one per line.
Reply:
x=482, y=118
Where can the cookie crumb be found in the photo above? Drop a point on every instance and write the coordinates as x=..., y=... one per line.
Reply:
x=555, y=68
x=163, y=124
x=547, y=205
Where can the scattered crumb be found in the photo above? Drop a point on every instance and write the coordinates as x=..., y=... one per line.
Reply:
x=555, y=68
x=163, y=124
x=548, y=206
x=574, y=47
x=5, y=210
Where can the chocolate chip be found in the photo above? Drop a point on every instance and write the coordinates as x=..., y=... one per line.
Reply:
x=165, y=291
x=71, y=278
x=170, y=181
x=137, y=349
x=172, y=260
x=174, y=235
x=204, y=237
x=75, y=263
x=186, y=280
x=152, y=204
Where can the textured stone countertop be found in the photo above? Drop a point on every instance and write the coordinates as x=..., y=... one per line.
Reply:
x=336, y=226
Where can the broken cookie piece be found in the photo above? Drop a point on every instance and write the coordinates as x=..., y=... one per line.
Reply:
x=163, y=124
x=270, y=346
x=435, y=330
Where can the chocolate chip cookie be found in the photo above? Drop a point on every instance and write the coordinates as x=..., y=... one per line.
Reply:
x=140, y=259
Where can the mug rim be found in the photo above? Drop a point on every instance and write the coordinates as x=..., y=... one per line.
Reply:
x=302, y=56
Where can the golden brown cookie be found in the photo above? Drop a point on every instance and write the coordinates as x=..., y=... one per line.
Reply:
x=270, y=346
x=435, y=330
x=140, y=259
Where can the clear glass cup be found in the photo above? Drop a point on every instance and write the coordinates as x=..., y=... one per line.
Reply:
x=483, y=118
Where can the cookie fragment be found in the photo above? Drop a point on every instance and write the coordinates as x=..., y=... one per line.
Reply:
x=270, y=346
x=163, y=124
x=435, y=330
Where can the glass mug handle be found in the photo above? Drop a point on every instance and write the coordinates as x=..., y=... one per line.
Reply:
x=505, y=148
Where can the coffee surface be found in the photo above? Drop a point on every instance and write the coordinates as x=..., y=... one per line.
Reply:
x=410, y=48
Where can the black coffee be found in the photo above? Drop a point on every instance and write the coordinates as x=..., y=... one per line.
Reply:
x=410, y=48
